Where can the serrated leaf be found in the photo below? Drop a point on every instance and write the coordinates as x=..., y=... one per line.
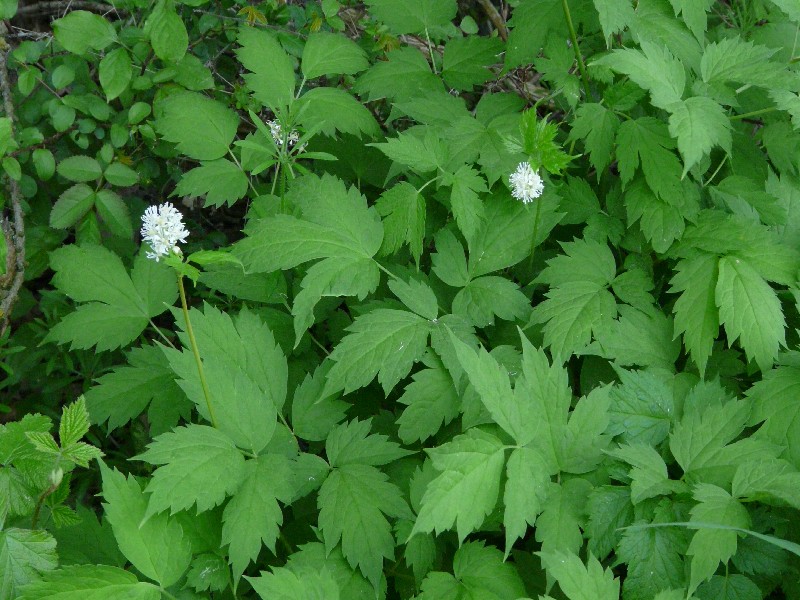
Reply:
x=642, y=407
x=699, y=124
x=284, y=584
x=465, y=203
x=597, y=126
x=25, y=555
x=271, y=77
x=81, y=30
x=750, y=311
x=504, y=237
x=732, y=586
x=74, y=422
x=383, y=342
x=115, y=72
x=354, y=502
x=90, y=582
x=403, y=75
x=422, y=154
x=331, y=54
x=200, y=127
x=449, y=263
x=168, y=35
x=314, y=557
x=485, y=298
x=696, y=314
x=197, y=465
x=770, y=481
x=538, y=142
x=401, y=17
x=253, y=516
x=466, y=489
x=530, y=23
x=646, y=140
x=735, y=60
x=654, y=561
x=313, y=416
x=652, y=68
x=709, y=547
x=431, y=401
x=467, y=59
x=649, y=477
x=114, y=213
x=155, y=545
x=525, y=491
x=220, y=181
x=352, y=444
x=332, y=109
x=615, y=15
x=774, y=404
x=71, y=206
x=609, y=509
x=558, y=528
x=479, y=572
x=403, y=210
x=579, y=582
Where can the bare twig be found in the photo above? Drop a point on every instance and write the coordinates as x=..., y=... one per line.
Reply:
x=495, y=17
x=59, y=6
x=14, y=233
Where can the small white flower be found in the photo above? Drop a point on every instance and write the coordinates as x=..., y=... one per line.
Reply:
x=526, y=185
x=162, y=228
x=277, y=135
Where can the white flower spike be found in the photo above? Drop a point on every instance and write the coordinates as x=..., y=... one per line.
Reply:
x=162, y=228
x=526, y=185
x=277, y=135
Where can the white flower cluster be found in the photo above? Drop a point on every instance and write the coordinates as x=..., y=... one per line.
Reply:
x=162, y=228
x=526, y=185
x=277, y=135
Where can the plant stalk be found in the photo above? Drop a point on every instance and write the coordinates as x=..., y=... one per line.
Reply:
x=196, y=352
x=574, y=38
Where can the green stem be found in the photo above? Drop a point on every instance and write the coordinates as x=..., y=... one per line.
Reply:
x=573, y=36
x=161, y=333
x=430, y=51
x=535, y=233
x=755, y=113
x=196, y=352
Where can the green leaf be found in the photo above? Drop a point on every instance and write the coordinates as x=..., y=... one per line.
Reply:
x=486, y=297
x=115, y=72
x=538, y=142
x=699, y=124
x=709, y=547
x=701, y=441
x=503, y=239
x=80, y=168
x=155, y=545
x=465, y=203
x=789, y=8
x=526, y=490
x=383, y=342
x=116, y=312
x=220, y=181
x=209, y=572
x=425, y=15
x=74, y=422
x=403, y=210
x=284, y=584
x=696, y=314
x=71, y=206
x=314, y=557
x=774, y=403
x=420, y=154
x=90, y=582
x=336, y=223
x=331, y=54
x=466, y=489
x=197, y=464
x=202, y=128
x=729, y=587
x=735, y=60
x=81, y=31
x=615, y=15
x=597, y=125
x=8, y=8
x=314, y=415
x=449, y=263
x=770, y=481
x=405, y=74
x=579, y=582
x=25, y=555
x=649, y=477
x=530, y=23
x=654, y=559
x=352, y=444
x=431, y=402
x=478, y=572
x=114, y=213
x=330, y=109
x=467, y=60
x=642, y=407
x=693, y=14
x=652, y=68
x=558, y=528
x=354, y=502
x=750, y=310
x=417, y=296
x=646, y=140
x=168, y=35
x=609, y=509
x=253, y=516
x=44, y=163
x=578, y=302
x=271, y=77
x=661, y=218
x=118, y=174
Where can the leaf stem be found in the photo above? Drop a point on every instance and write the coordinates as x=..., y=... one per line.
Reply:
x=755, y=113
x=574, y=38
x=161, y=333
x=430, y=51
x=196, y=352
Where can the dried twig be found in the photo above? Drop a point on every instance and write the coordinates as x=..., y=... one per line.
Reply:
x=495, y=17
x=14, y=232
x=60, y=6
